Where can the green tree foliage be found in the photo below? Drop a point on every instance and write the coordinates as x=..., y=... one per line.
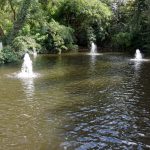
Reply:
x=59, y=37
x=20, y=20
x=130, y=25
x=122, y=40
x=120, y=32
x=91, y=35
x=23, y=44
x=55, y=25
x=83, y=14
x=7, y=55
x=8, y=12
x=141, y=23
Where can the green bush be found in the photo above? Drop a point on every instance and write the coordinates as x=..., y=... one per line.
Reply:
x=25, y=30
x=72, y=47
x=7, y=55
x=23, y=44
x=122, y=40
x=40, y=38
x=59, y=37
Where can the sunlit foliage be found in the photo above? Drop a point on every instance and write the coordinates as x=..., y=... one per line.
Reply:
x=61, y=25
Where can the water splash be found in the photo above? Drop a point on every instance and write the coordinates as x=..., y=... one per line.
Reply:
x=26, y=69
x=138, y=55
x=93, y=48
x=34, y=52
x=1, y=46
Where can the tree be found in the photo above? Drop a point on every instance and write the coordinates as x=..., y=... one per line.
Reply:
x=20, y=20
x=10, y=6
x=82, y=14
x=140, y=24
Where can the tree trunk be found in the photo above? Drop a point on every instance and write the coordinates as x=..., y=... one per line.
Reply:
x=12, y=8
x=1, y=32
x=20, y=20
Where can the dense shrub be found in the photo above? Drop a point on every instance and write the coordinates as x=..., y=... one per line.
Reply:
x=24, y=44
x=59, y=37
x=7, y=55
x=72, y=47
x=122, y=40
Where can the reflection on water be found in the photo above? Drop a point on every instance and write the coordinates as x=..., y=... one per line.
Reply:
x=28, y=86
x=92, y=63
x=137, y=69
x=93, y=60
x=80, y=102
x=137, y=65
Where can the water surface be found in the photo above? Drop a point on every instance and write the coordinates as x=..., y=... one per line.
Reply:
x=79, y=102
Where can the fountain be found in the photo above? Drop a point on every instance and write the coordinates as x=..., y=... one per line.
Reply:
x=34, y=52
x=26, y=69
x=93, y=48
x=138, y=55
x=1, y=46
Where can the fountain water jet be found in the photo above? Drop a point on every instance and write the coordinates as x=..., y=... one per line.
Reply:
x=138, y=55
x=26, y=69
x=1, y=46
x=93, y=48
x=34, y=52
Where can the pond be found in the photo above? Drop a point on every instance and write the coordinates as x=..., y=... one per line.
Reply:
x=77, y=102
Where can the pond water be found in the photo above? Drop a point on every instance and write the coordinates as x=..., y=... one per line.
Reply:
x=78, y=102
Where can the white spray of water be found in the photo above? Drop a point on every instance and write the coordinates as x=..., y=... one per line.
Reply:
x=138, y=55
x=34, y=52
x=26, y=69
x=1, y=46
x=93, y=48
